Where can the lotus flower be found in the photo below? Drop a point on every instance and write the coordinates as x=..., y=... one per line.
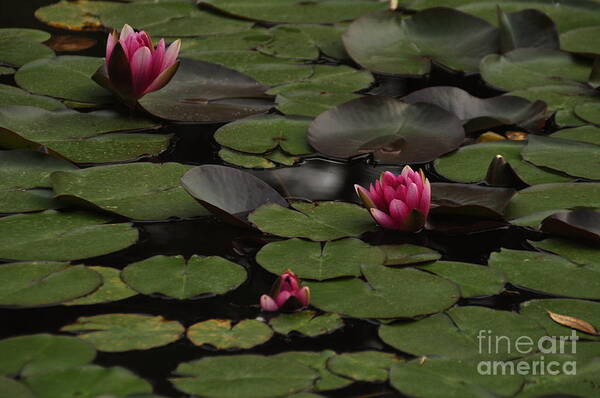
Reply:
x=134, y=67
x=399, y=202
x=287, y=294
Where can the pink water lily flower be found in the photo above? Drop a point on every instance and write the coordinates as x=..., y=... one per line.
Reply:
x=134, y=67
x=287, y=294
x=399, y=202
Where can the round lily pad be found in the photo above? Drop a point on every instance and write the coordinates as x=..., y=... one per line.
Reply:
x=589, y=134
x=590, y=112
x=240, y=41
x=246, y=160
x=112, y=289
x=578, y=252
x=306, y=322
x=140, y=191
x=309, y=102
x=406, y=254
x=393, y=131
x=255, y=376
x=37, y=284
x=222, y=335
x=548, y=273
x=390, y=42
x=369, y=366
x=385, y=293
x=52, y=235
x=186, y=278
x=125, y=332
x=304, y=41
x=472, y=279
x=331, y=79
x=581, y=41
x=10, y=95
x=318, y=221
x=317, y=361
x=74, y=15
x=14, y=389
x=39, y=353
x=20, y=46
x=312, y=260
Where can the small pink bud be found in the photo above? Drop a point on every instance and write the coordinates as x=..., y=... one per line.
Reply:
x=287, y=294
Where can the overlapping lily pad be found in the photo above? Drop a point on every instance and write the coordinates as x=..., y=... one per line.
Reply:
x=581, y=40
x=390, y=42
x=526, y=29
x=369, y=366
x=590, y=112
x=310, y=102
x=306, y=322
x=305, y=41
x=393, y=131
x=223, y=335
x=45, y=283
x=578, y=252
x=186, y=278
x=581, y=224
x=330, y=79
x=317, y=361
x=112, y=289
x=52, y=235
x=14, y=389
x=125, y=332
x=10, y=95
x=589, y=134
x=262, y=161
x=473, y=280
x=470, y=200
x=74, y=15
x=406, y=254
x=20, y=46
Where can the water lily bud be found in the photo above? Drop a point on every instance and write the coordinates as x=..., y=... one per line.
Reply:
x=399, y=202
x=287, y=294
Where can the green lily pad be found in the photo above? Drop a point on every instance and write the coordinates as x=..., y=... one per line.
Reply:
x=13, y=389
x=24, y=177
x=588, y=311
x=470, y=200
x=5, y=70
x=264, y=133
x=10, y=95
x=240, y=41
x=589, y=112
x=74, y=15
x=574, y=158
x=470, y=163
x=294, y=11
x=386, y=293
x=318, y=362
x=310, y=103
x=140, y=191
x=187, y=278
x=330, y=79
x=222, y=335
x=390, y=42
x=463, y=332
x=52, y=235
x=39, y=353
x=319, y=221
x=577, y=252
x=406, y=254
x=255, y=376
x=48, y=76
x=89, y=381
x=94, y=137
x=589, y=134
x=369, y=366
x=307, y=323
x=37, y=284
x=125, y=332
x=548, y=273
x=20, y=46
x=246, y=160
x=526, y=29
x=312, y=260
x=393, y=131
x=553, y=197
x=472, y=279
x=581, y=41
x=112, y=289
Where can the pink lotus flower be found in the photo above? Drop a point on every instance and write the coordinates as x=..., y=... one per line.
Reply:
x=398, y=201
x=287, y=294
x=134, y=67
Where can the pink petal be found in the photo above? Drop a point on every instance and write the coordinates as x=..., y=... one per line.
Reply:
x=398, y=211
x=388, y=178
x=145, y=39
x=401, y=192
x=383, y=219
x=389, y=194
x=418, y=180
x=289, y=282
x=425, y=202
x=267, y=303
x=111, y=42
x=171, y=54
x=141, y=65
x=364, y=196
x=158, y=57
x=126, y=32
x=406, y=171
x=303, y=295
x=412, y=196
x=282, y=297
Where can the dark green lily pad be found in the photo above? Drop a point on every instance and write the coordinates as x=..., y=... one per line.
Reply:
x=240, y=41
x=406, y=254
x=45, y=283
x=319, y=221
x=20, y=46
x=10, y=95
x=589, y=112
x=255, y=376
x=393, y=131
x=548, y=273
x=140, y=191
x=112, y=289
x=205, y=92
x=454, y=334
x=310, y=103
x=589, y=134
x=470, y=200
x=526, y=29
x=5, y=70
x=581, y=41
x=580, y=224
x=74, y=15
x=318, y=362
x=581, y=253
x=472, y=279
x=386, y=293
x=39, y=353
x=368, y=366
x=306, y=322
x=330, y=79
x=48, y=76
x=52, y=235
x=222, y=335
x=94, y=137
x=470, y=163
x=186, y=278
x=89, y=381
x=294, y=11
x=312, y=260
x=14, y=389
x=246, y=160
x=264, y=133
x=125, y=332
x=390, y=42
x=480, y=114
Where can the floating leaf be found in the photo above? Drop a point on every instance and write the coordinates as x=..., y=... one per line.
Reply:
x=45, y=283
x=240, y=41
x=312, y=260
x=572, y=322
x=526, y=29
x=472, y=279
x=10, y=95
x=470, y=200
x=74, y=15
x=305, y=41
x=330, y=79
x=112, y=289
x=255, y=376
x=578, y=252
x=581, y=41
x=52, y=235
x=20, y=46
x=5, y=70
x=245, y=160
x=317, y=361
x=369, y=366
x=186, y=278
x=13, y=389
x=393, y=131
x=318, y=221
x=306, y=322
x=581, y=224
x=406, y=254
x=590, y=112
x=222, y=335
x=309, y=102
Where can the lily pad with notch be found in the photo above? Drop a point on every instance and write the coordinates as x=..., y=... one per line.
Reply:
x=330, y=79
x=307, y=323
x=318, y=362
x=310, y=102
x=223, y=335
x=473, y=280
x=408, y=254
x=10, y=95
x=367, y=366
x=20, y=46
x=112, y=289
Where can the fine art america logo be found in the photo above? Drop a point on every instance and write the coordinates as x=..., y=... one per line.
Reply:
x=521, y=346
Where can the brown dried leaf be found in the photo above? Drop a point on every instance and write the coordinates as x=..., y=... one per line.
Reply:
x=572, y=322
